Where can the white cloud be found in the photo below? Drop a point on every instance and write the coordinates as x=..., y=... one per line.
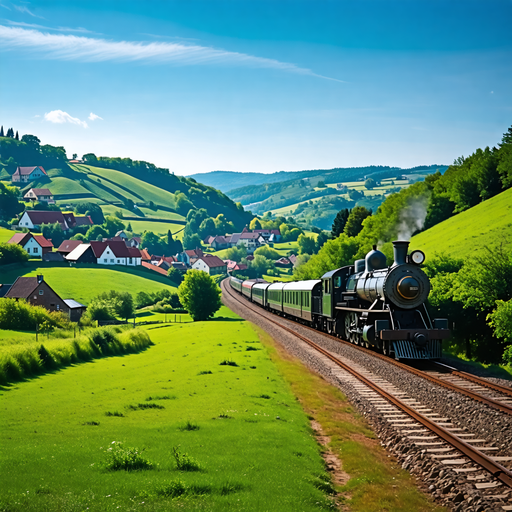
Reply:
x=43, y=27
x=86, y=49
x=58, y=116
x=93, y=117
x=24, y=9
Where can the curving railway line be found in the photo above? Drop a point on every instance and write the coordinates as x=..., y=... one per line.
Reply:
x=485, y=467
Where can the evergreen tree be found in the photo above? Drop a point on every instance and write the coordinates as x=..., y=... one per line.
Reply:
x=355, y=220
x=339, y=222
x=129, y=227
x=10, y=133
x=507, y=138
x=17, y=137
x=2, y=131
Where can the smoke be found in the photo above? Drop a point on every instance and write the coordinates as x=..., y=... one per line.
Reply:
x=412, y=217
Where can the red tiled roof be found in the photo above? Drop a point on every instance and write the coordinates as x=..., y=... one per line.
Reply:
x=20, y=238
x=145, y=256
x=212, y=261
x=145, y=264
x=41, y=240
x=69, y=245
x=27, y=170
x=194, y=253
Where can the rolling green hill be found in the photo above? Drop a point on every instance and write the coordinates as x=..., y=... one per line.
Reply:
x=84, y=282
x=487, y=224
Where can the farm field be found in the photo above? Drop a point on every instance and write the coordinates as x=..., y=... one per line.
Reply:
x=242, y=424
x=487, y=224
x=84, y=282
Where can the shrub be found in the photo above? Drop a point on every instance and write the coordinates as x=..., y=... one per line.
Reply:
x=199, y=294
x=188, y=427
x=126, y=459
x=173, y=489
x=184, y=462
x=20, y=315
x=227, y=362
x=12, y=253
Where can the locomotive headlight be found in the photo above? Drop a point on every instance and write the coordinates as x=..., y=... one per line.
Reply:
x=417, y=257
x=408, y=287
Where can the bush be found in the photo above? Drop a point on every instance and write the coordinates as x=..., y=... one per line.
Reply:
x=199, y=294
x=12, y=253
x=267, y=252
x=120, y=458
x=20, y=315
x=184, y=462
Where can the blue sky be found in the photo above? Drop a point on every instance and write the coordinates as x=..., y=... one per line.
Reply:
x=261, y=86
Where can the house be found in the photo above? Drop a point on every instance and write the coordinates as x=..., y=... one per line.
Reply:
x=84, y=220
x=42, y=195
x=134, y=242
x=122, y=234
x=54, y=257
x=219, y=242
x=35, y=245
x=67, y=246
x=154, y=268
x=33, y=219
x=26, y=174
x=233, y=265
x=37, y=292
x=233, y=239
x=145, y=255
x=178, y=265
x=116, y=253
x=208, y=240
x=82, y=253
x=293, y=259
x=76, y=310
x=251, y=241
x=188, y=257
x=210, y=264
x=283, y=263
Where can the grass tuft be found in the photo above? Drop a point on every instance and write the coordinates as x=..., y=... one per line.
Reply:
x=230, y=488
x=120, y=458
x=184, y=462
x=92, y=423
x=228, y=362
x=140, y=407
x=206, y=372
x=114, y=413
x=251, y=349
x=161, y=397
x=266, y=397
x=173, y=489
x=188, y=427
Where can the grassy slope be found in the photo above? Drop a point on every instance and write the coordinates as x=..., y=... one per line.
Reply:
x=84, y=282
x=487, y=224
x=58, y=458
x=6, y=234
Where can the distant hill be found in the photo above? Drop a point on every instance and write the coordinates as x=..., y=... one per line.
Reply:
x=227, y=181
x=487, y=224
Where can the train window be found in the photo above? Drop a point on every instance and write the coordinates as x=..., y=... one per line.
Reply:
x=338, y=282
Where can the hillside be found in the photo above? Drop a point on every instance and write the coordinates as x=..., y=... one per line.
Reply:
x=227, y=181
x=148, y=197
x=87, y=281
x=487, y=224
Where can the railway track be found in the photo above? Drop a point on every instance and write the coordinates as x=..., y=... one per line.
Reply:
x=440, y=438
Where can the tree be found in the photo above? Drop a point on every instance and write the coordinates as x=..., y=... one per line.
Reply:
x=112, y=225
x=370, y=183
x=9, y=204
x=191, y=241
x=151, y=243
x=129, y=227
x=31, y=141
x=121, y=303
x=355, y=220
x=321, y=184
x=260, y=265
x=306, y=244
x=75, y=156
x=207, y=228
x=92, y=210
x=268, y=252
x=339, y=222
x=17, y=137
x=236, y=253
x=507, y=138
x=12, y=253
x=54, y=233
x=2, y=131
x=199, y=294
x=175, y=275
x=94, y=232
x=320, y=241
x=255, y=224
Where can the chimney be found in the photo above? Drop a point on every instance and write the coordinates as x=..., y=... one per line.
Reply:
x=40, y=279
x=400, y=248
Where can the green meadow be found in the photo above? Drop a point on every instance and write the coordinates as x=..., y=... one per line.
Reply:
x=83, y=282
x=205, y=395
x=6, y=234
x=487, y=224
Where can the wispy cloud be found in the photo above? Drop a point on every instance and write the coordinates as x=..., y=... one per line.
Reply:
x=42, y=27
x=25, y=10
x=93, y=117
x=86, y=49
x=59, y=117
x=5, y=6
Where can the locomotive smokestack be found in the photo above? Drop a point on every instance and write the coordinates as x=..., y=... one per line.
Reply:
x=400, y=248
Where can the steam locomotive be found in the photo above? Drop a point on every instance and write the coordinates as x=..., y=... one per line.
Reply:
x=367, y=303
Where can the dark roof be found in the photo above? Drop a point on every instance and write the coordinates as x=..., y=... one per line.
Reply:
x=4, y=288
x=41, y=240
x=219, y=240
x=212, y=261
x=69, y=245
x=84, y=221
x=70, y=218
x=134, y=252
x=194, y=253
x=53, y=256
x=234, y=238
x=73, y=304
x=41, y=191
x=20, y=238
x=27, y=170
x=45, y=217
x=251, y=236
x=22, y=288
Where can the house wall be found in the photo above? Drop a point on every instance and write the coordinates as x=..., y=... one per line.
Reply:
x=33, y=248
x=25, y=221
x=201, y=265
x=44, y=296
x=109, y=258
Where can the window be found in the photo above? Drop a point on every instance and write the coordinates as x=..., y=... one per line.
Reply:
x=41, y=292
x=28, y=250
x=105, y=260
x=111, y=261
x=118, y=261
x=58, y=307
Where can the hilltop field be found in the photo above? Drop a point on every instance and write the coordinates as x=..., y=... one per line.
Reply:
x=488, y=224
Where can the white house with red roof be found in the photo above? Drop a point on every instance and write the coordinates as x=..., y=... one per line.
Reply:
x=251, y=241
x=26, y=174
x=35, y=245
x=116, y=253
x=210, y=264
x=33, y=219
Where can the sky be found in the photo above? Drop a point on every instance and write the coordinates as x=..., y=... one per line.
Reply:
x=263, y=86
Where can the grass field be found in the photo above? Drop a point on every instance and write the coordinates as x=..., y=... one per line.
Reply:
x=6, y=234
x=487, y=224
x=84, y=282
x=240, y=423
